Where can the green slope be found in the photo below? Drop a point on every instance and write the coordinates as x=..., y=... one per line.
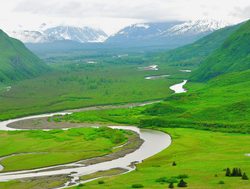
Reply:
x=16, y=61
x=193, y=54
x=222, y=103
x=233, y=55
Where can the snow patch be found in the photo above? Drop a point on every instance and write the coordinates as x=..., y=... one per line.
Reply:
x=146, y=26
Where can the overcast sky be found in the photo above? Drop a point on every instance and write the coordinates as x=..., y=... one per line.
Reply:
x=112, y=15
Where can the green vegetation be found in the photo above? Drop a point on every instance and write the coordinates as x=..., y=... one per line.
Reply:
x=17, y=62
x=35, y=183
x=108, y=173
x=137, y=186
x=35, y=148
x=200, y=154
x=221, y=104
x=194, y=54
x=197, y=157
x=81, y=85
x=233, y=55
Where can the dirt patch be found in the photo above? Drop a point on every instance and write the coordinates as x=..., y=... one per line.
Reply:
x=43, y=123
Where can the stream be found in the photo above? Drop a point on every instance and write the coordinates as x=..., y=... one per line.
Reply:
x=154, y=142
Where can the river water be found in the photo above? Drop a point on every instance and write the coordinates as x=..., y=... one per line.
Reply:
x=154, y=142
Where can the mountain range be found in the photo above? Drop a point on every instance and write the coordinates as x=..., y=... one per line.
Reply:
x=60, y=33
x=171, y=33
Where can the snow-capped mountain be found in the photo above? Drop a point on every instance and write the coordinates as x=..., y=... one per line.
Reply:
x=142, y=31
x=60, y=33
x=82, y=35
x=171, y=34
x=196, y=27
x=27, y=36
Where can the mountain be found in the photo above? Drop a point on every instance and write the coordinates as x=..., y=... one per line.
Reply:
x=170, y=34
x=221, y=99
x=60, y=33
x=193, y=54
x=17, y=62
x=82, y=35
x=232, y=56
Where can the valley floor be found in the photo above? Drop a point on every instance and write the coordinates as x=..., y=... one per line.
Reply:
x=202, y=156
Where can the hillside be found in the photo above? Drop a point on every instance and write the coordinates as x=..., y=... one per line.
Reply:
x=220, y=104
x=16, y=61
x=193, y=54
x=232, y=56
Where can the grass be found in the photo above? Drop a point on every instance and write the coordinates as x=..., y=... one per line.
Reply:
x=108, y=173
x=200, y=155
x=34, y=183
x=222, y=104
x=35, y=149
x=81, y=85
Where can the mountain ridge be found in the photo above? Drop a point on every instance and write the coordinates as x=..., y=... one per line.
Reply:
x=57, y=33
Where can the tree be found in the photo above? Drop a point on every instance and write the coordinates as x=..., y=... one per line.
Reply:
x=239, y=173
x=235, y=172
x=174, y=163
x=228, y=172
x=171, y=185
x=244, y=176
x=182, y=183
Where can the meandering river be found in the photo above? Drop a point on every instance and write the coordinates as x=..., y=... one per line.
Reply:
x=154, y=142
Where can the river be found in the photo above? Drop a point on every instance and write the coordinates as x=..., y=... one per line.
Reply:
x=154, y=142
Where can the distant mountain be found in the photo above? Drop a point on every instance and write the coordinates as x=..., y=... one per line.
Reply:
x=60, y=33
x=171, y=34
x=232, y=56
x=82, y=35
x=17, y=62
x=195, y=53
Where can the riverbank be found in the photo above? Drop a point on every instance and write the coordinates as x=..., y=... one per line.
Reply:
x=201, y=159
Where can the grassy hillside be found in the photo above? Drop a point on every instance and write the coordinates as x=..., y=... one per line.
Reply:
x=194, y=54
x=220, y=104
x=16, y=61
x=233, y=55
x=223, y=104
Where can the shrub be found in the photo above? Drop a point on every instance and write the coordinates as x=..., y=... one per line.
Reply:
x=228, y=172
x=183, y=176
x=244, y=176
x=182, y=184
x=221, y=182
x=101, y=182
x=162, y=179
x=137, y=186
x=171, y=185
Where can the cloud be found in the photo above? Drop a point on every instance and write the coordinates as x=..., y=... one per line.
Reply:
x=114, y=14
x=241, y=13
x=138, y=9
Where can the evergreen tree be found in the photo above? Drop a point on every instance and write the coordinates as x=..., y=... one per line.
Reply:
x=234, y=172
x=182, y=183
x=244, y=176
x=228, y=172
x=239, y=173
x=174, y=163
x=171, y=185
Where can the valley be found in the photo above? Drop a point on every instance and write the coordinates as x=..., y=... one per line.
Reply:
x=126, y=113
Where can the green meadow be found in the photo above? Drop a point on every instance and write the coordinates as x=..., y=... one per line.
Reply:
x=31, y=149
x=81, y=85
x=201, y=158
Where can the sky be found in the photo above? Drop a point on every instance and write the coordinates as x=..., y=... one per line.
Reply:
x=112, y=15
